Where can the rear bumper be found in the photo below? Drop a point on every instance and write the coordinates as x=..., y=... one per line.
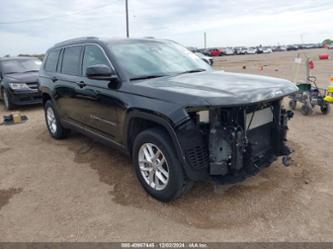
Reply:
x=25, y=97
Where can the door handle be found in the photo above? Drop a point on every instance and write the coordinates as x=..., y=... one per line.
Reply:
x=81, y=84
x=54, y=79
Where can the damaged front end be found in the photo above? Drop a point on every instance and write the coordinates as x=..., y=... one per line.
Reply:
x=233, y=143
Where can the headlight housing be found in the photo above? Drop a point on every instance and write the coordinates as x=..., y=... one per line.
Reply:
x=19, y=86
x=203, y=116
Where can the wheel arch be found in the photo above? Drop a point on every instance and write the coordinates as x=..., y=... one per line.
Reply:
x=159, y=120
x=139, y=120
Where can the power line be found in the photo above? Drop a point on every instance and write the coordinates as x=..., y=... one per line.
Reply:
x=55, y=16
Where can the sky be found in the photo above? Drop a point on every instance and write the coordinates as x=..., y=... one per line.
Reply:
x=33, y=26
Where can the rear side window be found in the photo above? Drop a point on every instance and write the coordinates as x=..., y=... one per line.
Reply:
x=71, y=61
x=51, y=61
x=93, y=55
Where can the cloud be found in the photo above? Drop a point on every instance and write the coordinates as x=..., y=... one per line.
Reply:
x=227, y=23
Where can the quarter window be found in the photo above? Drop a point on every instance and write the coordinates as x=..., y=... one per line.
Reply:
x=93, y=55
x=51, y=61
x=71, y=61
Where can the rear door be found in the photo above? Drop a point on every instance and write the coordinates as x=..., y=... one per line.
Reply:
x=48, y=72
x=69, y=84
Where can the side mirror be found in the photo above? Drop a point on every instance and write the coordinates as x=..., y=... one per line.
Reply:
x=100, y=72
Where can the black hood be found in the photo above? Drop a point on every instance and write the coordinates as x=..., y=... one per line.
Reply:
x=216, y=88
x=22, y=77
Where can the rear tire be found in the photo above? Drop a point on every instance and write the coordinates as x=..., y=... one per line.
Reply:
x=53, y=122
x=150, y=169
x=325, y=109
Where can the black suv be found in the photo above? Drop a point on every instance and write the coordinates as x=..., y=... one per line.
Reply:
x=19, y=81
x=156, y=101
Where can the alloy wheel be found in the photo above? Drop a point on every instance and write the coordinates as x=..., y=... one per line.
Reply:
x=153, y=166
x=51, y=120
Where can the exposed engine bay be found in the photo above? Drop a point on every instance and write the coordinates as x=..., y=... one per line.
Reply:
x=232, y=143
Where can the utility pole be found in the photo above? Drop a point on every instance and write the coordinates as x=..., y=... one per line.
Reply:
x=307, y=70
x=205, y=40
x=302, y=36
x=127, y=25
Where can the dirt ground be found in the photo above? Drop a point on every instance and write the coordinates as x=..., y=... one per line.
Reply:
x=80, y=190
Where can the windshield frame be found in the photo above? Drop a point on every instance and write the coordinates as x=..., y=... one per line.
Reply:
x=116, y=58
x=20, y=67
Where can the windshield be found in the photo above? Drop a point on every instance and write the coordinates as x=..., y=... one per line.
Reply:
x=20, y=65
x=155, y=59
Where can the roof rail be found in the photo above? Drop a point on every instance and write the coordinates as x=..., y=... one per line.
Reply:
x=85, y=38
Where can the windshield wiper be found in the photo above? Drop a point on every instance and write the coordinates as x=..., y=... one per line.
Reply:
x=11, y=72
x=162, y=75
x=148, y=77
x=194, y=71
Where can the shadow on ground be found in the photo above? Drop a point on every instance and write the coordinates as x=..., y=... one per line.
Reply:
x=7, y=194
x=266, y=196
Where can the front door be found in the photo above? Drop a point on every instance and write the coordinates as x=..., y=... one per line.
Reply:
x=102, y=106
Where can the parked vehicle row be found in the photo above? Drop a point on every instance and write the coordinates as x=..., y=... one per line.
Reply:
x=252, y=50
x=233, y=51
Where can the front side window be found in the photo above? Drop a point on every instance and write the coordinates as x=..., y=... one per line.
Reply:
x=71, y=60
x=51, y=61
x=150, y=58
x=93, y=55
x=20, y=65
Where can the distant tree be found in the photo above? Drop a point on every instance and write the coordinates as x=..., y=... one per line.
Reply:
x=7, y=55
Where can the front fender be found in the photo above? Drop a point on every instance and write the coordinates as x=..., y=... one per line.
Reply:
x=171, y=129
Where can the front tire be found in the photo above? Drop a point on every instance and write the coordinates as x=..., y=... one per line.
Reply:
x=157, y=167
x=6, y=100
x=53, y=123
